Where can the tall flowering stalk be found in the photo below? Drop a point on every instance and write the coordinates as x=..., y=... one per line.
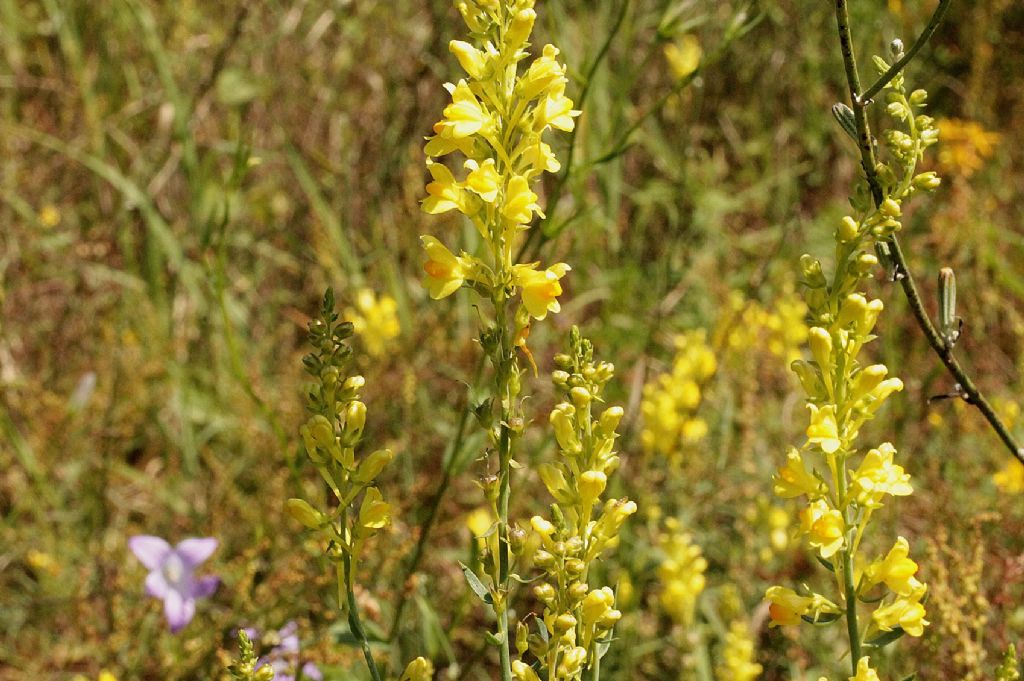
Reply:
x=331, y=437
x=496, y=123
x=843, y=485
x=576, y=625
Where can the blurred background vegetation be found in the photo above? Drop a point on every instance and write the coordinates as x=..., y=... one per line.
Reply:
x=179, y=182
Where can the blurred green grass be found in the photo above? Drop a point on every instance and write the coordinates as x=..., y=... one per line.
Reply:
x=178, y=183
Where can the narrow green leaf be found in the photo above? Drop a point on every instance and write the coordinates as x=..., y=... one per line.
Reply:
x=476, y=585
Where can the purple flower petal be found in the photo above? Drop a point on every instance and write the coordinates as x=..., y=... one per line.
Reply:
x=205, y=586
x=150, y=550
x=195, y=550
x=156, y=585
x=312, y=672
x=179, y=610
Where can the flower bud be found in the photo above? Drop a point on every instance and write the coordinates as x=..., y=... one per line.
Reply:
x=580, y=397
x=866, y=262
x=610, y=619
x=321, y=431
x=564, y=623
x=470, y=58
x=891, y=208
x=522, y=638
x=544, y=592
x=491, y=486
x=852, y=310
x=264, y=673
x=821, y=347
x=354, y=383
x=591, y=486
x=848, y=229
x=523, y=672
x=927, y=181
x=575, y=567
x=522, y=26
x=811, y=268
x=560, y=378
x=355, y=419
x=868, y=379
x=578, y=591
x=371, y=466
x=609, y=421
x=516, y=539
x=597, y=603
x=307, y=515
x=565, y=432
x=918, y=97
x=543, y=559
x=542, y=526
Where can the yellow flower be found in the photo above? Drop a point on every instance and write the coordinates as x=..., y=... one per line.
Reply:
x=794, y=479
x=472, y=60
x=1010, y=480
x=787, y=606
x=738, y=655
x=544, y=73
x=877, y=476
x=465, y=116
x=681, y=574
x=445, y=271
x=556, y=110
x=864, y=671
x=683, y=55
x=374, y=513
x=483, y=179
x=49, y=216
x=375, y=320
x=420, y=669
x=541, y=288
x=444, y=193
x=824, y=431
x=824, y=527
x=906, y=612
x=897, y=570
x=520, y=201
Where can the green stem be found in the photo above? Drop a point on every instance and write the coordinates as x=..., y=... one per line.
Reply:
x=347, y=594
x=849, y=588
x=504, y=365
x=922, y=39
x=968, y=390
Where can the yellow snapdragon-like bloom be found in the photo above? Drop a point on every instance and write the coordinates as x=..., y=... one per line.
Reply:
x=466, y=115
x=896, y=570
x=824, y=527
x=444, y=193
x=541, y=288
x=446, y=272
x=786, y=607
x=877, y=476
x=794, y=480
x=681, y=574
x=864, y=671
x=738, y=655
x=906, y=612
x=420, y=669
x=375, y=319
x=823, y=429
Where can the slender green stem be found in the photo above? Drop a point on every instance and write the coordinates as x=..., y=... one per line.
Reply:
x=504, y=366
x=966, y=386
x=849, y=588
x=346, y=594
x=921, y=41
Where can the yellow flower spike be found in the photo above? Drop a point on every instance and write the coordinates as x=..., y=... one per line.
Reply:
x=824, y=527
x=823, y=430
x=445, y=271
x=483, y=179
x=375, y=320
x=864, y=671
x=420, y=669
x=540, y=288
x=465, y=116
x=444, y=193
x=906, y=612
x=896, y=570
x=472, y=60
x=738, y=655
x=877, y=476
x=786, y=606
x=520, y=201
x=794, y=480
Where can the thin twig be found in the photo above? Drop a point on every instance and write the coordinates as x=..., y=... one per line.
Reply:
x=922, y=39
x=966, y=386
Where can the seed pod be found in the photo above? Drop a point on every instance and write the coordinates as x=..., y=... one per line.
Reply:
x=844, y=116
x=949, y=323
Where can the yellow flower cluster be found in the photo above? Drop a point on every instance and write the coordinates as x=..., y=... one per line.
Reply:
x=577, y=616
x=780, y=328
x=681, y=574
x=496, y=121
x=738, y=654
x=375, y=320
x=966, y=146
x=670, y=400
x=842, y=487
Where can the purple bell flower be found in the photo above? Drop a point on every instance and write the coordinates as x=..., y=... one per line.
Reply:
x=171, y=577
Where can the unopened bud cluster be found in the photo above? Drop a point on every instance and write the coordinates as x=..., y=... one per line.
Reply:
x=577, y=616
x=331, y=438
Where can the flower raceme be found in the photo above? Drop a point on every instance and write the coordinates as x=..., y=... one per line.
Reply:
x=496, y=120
